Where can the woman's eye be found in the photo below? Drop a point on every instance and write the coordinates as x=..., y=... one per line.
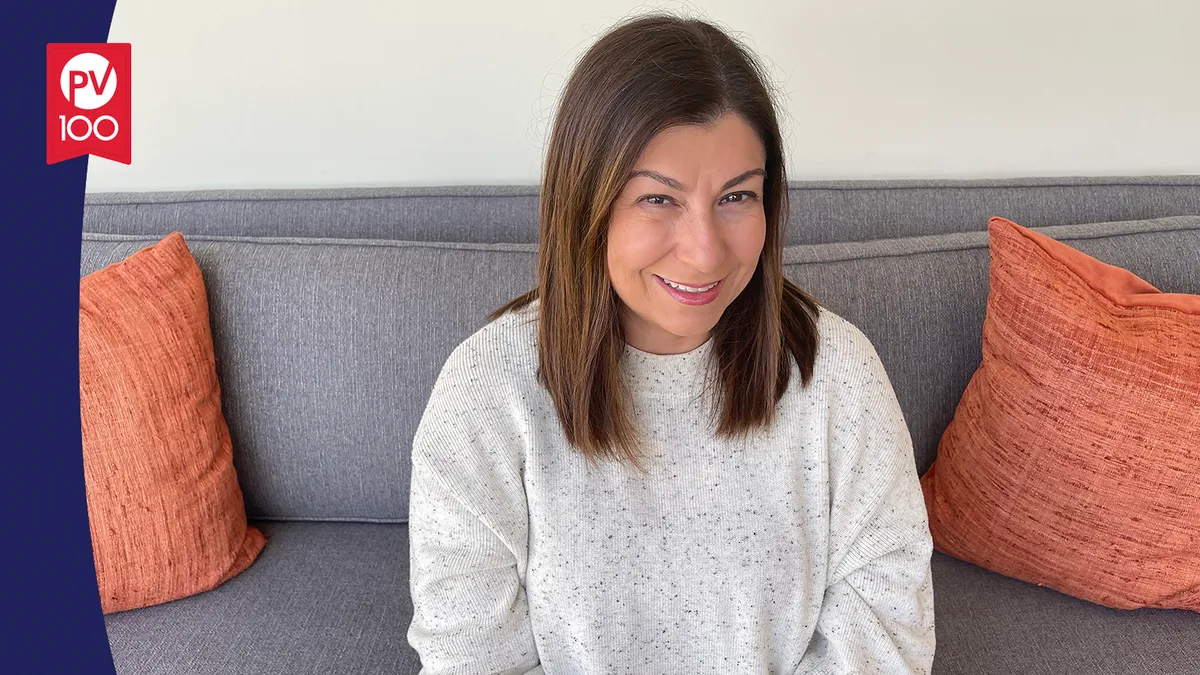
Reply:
x=738, y=197
x=657, y=200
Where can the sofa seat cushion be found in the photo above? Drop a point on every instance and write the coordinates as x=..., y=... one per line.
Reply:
x=990, y=624
x=332, y=598
x=322, y=598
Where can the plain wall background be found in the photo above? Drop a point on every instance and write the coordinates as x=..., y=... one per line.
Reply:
x=325, y=93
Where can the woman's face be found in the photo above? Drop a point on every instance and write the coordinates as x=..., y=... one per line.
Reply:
x=690, y=217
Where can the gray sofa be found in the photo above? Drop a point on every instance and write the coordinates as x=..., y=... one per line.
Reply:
x=332, y=311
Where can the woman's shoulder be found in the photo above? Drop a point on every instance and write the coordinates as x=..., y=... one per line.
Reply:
x=469, y=420
x=845, y=355
x=505, y=348
x=838, y=334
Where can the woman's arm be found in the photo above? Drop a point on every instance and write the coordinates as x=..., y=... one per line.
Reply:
x=468, y=531
x=877, y=612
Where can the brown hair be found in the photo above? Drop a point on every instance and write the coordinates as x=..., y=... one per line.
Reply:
x=641, y=77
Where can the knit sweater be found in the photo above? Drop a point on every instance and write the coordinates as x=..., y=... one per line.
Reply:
x=801, y=548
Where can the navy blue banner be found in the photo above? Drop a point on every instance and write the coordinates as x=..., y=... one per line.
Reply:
x=53, y=622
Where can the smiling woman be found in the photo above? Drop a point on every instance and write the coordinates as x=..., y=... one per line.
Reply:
x=666, y=457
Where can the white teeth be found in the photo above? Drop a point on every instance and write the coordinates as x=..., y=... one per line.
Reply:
x=689, y=289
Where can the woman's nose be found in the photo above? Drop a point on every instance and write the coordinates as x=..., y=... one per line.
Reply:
x=698, y=243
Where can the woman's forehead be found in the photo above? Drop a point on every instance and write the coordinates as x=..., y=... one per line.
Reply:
x=686, y=157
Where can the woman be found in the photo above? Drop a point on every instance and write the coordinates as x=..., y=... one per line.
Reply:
x=666, y=458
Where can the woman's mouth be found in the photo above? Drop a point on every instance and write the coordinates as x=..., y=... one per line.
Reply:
x=690, y=294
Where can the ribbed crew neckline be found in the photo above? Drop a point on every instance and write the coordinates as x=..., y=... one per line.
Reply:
x=666, y=374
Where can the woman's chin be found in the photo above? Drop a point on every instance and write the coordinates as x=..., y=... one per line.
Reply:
x=691, y=330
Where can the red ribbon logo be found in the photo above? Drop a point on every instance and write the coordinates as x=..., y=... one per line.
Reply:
x=87, y=101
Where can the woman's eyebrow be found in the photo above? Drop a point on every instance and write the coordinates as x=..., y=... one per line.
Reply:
x=676, y=185
x=742, y=177
x=665, y=180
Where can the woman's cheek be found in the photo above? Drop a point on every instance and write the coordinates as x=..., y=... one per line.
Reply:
x=749, y=236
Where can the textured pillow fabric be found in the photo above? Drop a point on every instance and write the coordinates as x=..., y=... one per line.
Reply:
x=1073, y=459
x=166, y=513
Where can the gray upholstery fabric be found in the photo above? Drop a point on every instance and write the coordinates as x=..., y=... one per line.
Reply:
x=988, y=624
x=322, y=599
x=327, y=349
x=333, y=598
x=822, y=211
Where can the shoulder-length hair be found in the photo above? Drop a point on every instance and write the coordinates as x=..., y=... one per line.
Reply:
x=641, y=77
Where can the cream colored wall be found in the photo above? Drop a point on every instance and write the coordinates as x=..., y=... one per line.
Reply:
x=324, y=93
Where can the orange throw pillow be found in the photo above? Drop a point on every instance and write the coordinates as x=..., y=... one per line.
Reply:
x=165, y=509
x=1073, y=460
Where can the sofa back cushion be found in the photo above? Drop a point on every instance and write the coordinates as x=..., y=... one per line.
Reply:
x=327, y=348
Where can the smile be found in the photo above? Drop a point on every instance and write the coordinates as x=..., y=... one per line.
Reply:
x=688, y=294
x=689, y=289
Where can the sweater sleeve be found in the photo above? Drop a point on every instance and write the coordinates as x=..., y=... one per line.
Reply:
x=877, y=610
x=468, y=530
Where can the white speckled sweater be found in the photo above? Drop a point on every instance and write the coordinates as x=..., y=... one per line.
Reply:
x=802, y=549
